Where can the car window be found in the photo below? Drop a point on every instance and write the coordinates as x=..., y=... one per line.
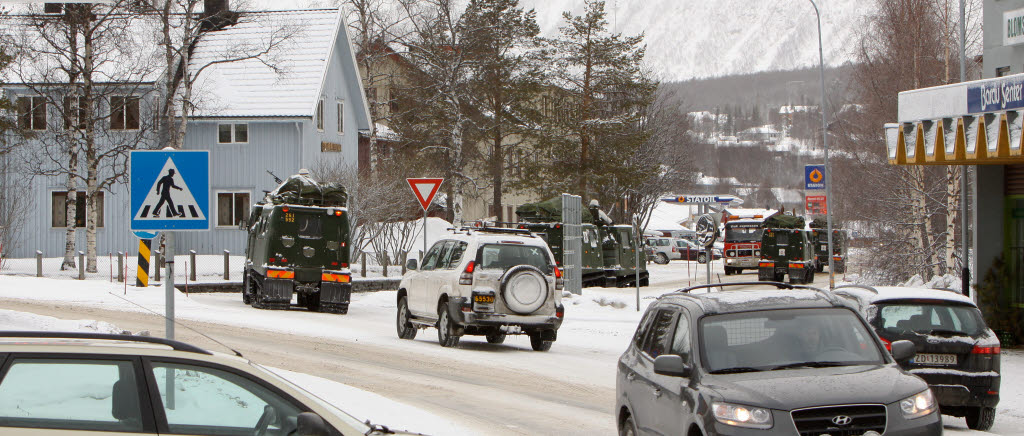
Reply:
x=430, y=260
x=446, y=254
x=929, y=317
x=660, y=334
x=457, y=252
x=641, y=329
x=505, y=256
x=211, y=401
x=681, y=337
x=95, y=395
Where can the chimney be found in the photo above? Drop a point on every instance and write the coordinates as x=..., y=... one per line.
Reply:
x=217, y=15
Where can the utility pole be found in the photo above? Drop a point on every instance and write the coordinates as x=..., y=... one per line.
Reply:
x=965, y=271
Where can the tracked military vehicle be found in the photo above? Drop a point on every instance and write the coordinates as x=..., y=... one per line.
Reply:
x=298, y=244
x=819, y=228
x=787, y=247
x=608, y=256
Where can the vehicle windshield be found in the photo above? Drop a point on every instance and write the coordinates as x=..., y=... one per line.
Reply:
x=788, y=338
x=930, y=318
x=743, y=233
x=505, y=256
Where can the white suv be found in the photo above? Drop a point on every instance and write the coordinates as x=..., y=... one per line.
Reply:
x=483, y=281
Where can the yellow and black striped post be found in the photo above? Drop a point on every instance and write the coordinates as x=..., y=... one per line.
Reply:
x=142, y=278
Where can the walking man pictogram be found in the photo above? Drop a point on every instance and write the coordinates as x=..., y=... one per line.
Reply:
x=163, y=188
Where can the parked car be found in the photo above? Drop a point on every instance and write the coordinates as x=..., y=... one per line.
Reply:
x=483, y=281
x=777, y=359
x=89, y=384
x=689, y=250
x=957, y=354
x=661, y=248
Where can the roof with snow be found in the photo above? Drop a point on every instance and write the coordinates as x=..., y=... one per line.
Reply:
x=288, y=84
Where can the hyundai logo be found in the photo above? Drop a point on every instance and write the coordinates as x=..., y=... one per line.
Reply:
x=842, y=420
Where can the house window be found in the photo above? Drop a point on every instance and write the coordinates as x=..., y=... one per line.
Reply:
x=32, y=113
x=232, y=208
x=74, y=113
x=59, y=211
x=233, y=133
x=1002, y=71
x=392, y=101
x=320, y=115
x=341, y=117
x=124, y=113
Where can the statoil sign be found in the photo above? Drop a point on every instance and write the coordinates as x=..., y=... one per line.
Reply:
x=996, y=95
x=704, y=199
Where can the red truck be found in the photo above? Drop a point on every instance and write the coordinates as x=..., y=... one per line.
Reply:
x=743, y=229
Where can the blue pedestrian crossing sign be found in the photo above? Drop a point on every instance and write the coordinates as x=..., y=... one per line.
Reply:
x=170, y=190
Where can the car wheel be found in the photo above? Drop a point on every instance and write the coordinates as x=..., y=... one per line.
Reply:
x=405, y=327
x=496, y=337
x=702, y=258
x=246, y=288
x=628, y=427
x=661, y=259
x=981, y=418
x=445, y=328
x=539, y=344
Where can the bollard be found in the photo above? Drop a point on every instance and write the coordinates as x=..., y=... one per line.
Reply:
x=405, y=255
x=159, y=262
x=387, y=260
x=362, y=265
x=120, y=266
x=192, y=260
x=39, y=263
x=227, y=265
x=81, y=265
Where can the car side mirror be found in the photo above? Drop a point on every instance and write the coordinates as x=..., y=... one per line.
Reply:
x=903, y=350
x=411, y=264
x=671, y=365
x=311, y=424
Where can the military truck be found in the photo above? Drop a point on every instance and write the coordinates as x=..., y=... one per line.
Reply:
x=606, y=260
x=298, y=244
x=787, y=247
x=819, y=228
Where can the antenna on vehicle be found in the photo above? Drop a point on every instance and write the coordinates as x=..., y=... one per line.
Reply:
x=178, y=323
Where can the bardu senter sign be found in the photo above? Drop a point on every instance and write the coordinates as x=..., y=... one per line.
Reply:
x=1013, y=27
x=996, y=95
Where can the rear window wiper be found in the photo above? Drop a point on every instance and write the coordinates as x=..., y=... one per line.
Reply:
x=735, y=370
x=818, y=364
x=941, y=332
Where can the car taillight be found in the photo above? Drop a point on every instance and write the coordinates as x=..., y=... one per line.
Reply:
x=985, y=350
x=467, y=275
x=284, y=260
x=558, y=272
x=271, y=260
x=560, y=312
x=559, y=282
x=888, y=344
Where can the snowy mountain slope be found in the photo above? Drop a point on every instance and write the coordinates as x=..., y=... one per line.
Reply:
x=699, y=38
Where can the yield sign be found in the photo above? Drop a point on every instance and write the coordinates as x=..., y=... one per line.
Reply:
x=425, y=189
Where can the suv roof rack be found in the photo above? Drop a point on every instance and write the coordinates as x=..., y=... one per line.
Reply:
x=500, y=230
x=778, y=285
x=176, y=345
x=865, y=287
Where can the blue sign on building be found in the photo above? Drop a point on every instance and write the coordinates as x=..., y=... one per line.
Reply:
x=814, y=177
x=996, y=95
x=170, y=190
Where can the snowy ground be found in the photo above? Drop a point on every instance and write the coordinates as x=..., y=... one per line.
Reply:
x=597, y=328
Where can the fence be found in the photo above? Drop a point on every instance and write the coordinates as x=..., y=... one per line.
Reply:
x=190, y=267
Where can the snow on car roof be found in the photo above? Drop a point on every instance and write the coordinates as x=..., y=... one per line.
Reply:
x=760, y=299
x=891, y=293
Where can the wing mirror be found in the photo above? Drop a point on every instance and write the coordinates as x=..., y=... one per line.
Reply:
x=671, y=365
x=411, y=264
x=903, y=350
x=311, y=424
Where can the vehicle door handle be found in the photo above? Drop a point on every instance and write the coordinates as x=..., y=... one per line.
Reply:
x=631, y=376
x=657, y=393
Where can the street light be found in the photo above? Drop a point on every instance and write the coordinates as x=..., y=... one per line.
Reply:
x=828, y=167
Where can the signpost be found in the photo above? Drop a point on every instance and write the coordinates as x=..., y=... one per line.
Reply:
x=425, y=189
x=170, y=191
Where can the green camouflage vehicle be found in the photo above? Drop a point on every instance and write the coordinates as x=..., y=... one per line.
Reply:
x=787, y=247
x=298, y=244
x=604, y=260
x=819, y=228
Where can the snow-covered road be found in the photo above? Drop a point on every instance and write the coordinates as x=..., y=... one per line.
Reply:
x=478, y=387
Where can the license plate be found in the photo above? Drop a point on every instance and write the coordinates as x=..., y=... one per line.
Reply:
x=486, y=299
x=935, y=359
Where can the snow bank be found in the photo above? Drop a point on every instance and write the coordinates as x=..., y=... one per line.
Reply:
x=11, y=320
x=947, y=281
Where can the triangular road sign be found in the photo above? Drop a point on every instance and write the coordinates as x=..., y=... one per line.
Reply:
x=169, y=198
x=425, y=189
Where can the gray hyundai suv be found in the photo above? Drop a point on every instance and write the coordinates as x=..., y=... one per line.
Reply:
x=766, y=358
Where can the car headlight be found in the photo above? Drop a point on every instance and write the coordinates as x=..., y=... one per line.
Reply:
x=918, y=405
x=742, y=416
x=757, y=253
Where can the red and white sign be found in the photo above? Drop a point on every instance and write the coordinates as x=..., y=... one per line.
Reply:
x=817, y=205
x=425, y=189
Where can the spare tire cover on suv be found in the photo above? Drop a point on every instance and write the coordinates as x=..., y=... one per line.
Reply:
x=524, y=289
